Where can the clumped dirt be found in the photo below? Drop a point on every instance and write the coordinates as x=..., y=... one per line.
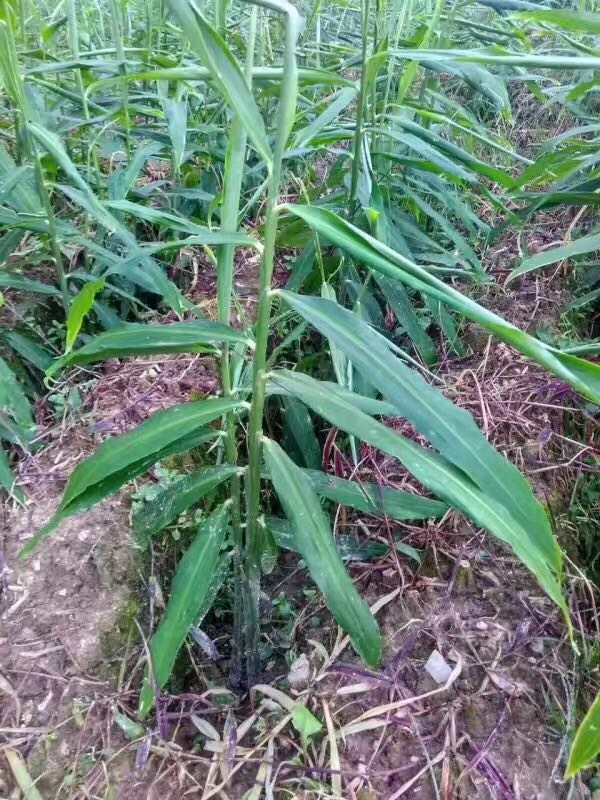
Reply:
x=66, y=615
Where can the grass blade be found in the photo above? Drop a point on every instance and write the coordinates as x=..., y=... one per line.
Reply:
x=586, y=244
x=375, y=499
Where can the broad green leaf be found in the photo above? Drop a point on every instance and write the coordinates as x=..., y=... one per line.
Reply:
x=50, y=30
x=190, y=589
x=29, y=350
x=449, y=428
x=122, y=458
x=154, y=515
x=9, y=243
x=349, y=548
x=300, y=438
x=132, y=730
x=79, y=308
x=394, y=292
x=338, y=359
x=80, y=189
x=479, y=79
x=334, y=107
x=462, y=245
x=568, y=19
x=305, y=723
x=434, y=472
x=399, y=301
x=374, y=499
x=83, y=195
x=13, y=399
x=432, y=154
x=586, y=244
x=586, y=745
x=224, y=70
x=582, y=375
x=507, y=58
x=315, y=542
x=176, y=113
x=172, y=222
x=21, y=195
x=452, y=150
x=138, y=339
x=121, y=181
x=15, y=280
x=7, y=479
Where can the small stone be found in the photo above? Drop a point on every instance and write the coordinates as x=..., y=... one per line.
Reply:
x=438, y=667
x=537, y=646
x=481, y=625
x=299, y=674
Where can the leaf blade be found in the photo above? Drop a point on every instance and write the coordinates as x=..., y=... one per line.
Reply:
x=138, y=339
x=190, y=589
x=317, y=547
x=224, y=70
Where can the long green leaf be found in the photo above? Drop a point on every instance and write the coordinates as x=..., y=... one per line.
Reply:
x=374, y=499
x=82, y=194
x=7, y=479
x=29, y=349
x=13, y=280
x=431, y=470
x=449, y=428
x=334, y=106
x=586, y=744
x=136, y=339
x=13, y=399
x=175, y=223
x=315, y=543
x=176, y=112
x=177, y=498
x=122, y=458
x=284, y=535
x=224, y=70
x=582, y=375
x=300, y=439
x=192, y=585
x=586, y=244
x=564, y=18
x=505, y=58
x=79, y=308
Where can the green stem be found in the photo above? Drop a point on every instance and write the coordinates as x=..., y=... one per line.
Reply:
x=234, y=170
x=52, y=233
x=74, y=47
x=286, y=111
x=117, y=28
x=360, y=111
